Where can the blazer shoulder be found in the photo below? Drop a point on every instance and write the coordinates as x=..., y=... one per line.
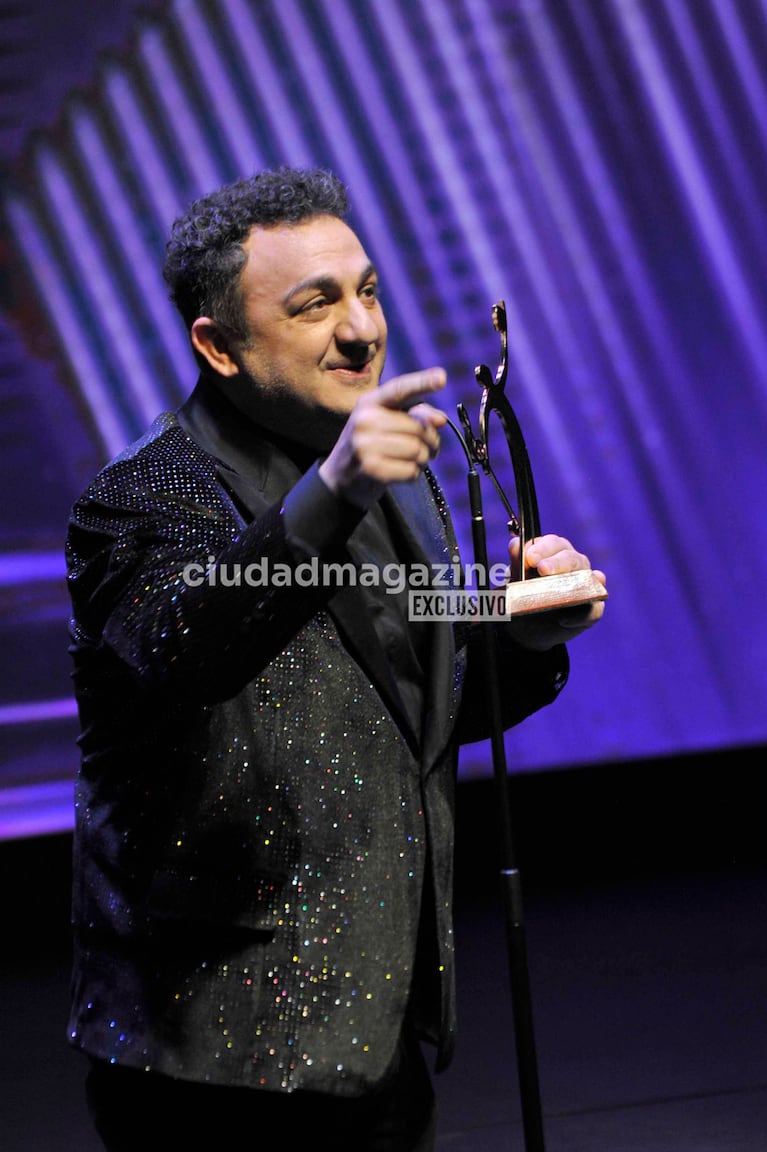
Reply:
x=162, y=447
x=164, y=461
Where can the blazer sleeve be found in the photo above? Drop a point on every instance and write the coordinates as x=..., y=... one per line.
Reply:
x=167, y=579
x=526, y=682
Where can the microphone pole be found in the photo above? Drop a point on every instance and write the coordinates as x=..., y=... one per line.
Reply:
x=511, y=887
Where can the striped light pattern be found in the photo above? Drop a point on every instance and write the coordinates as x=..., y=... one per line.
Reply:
x=599, y=165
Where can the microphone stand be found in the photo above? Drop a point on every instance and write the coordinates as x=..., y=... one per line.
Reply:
x=528, y=593
x=527, y=1065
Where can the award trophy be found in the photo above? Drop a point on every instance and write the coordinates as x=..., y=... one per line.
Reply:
x=529, y=592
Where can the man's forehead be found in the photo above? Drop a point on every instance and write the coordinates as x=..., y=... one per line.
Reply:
x=320, y=248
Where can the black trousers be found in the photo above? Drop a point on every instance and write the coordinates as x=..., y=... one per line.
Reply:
x=135, y=1111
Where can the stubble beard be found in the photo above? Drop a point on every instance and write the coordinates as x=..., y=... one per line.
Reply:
x=275, y=406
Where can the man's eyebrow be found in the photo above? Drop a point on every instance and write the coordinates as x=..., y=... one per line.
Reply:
x=369, y=271
x=328, y=284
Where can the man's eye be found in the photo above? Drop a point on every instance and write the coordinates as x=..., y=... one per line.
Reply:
x=315, y=305
x=370, y=292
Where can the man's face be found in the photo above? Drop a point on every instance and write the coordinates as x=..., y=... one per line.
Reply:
x=317, y=333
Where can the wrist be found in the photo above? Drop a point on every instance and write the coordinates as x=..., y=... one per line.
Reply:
x=361, y=491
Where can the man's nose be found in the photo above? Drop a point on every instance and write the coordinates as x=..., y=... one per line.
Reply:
x=359, y=324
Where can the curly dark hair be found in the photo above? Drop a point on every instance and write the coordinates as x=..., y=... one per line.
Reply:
x=204, y=253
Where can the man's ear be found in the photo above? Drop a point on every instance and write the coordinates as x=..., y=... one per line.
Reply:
x=210, y=342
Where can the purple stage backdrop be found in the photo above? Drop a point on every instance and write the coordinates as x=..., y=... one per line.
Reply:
x=600, y=165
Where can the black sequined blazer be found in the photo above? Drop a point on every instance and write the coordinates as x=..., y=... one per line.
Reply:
x=259, y=832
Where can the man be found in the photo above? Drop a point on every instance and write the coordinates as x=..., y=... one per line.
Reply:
x=263, y=848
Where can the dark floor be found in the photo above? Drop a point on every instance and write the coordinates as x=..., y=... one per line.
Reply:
x=646, y=927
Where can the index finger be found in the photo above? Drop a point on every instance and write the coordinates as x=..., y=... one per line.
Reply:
x=404, y=391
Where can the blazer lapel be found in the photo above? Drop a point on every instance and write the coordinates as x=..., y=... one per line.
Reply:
x=432, y=542
x=250, y=466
